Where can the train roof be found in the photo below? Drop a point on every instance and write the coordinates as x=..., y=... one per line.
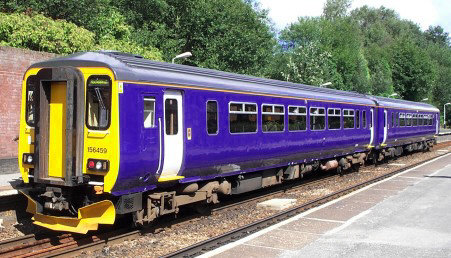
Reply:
x=403, y=104
x=134, y=68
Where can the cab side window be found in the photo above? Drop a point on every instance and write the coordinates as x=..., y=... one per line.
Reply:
x=149, y=112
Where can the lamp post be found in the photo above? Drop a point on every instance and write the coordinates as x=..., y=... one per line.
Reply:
x=444, y=114
x=325, y=84
x=393, y=95
x=181, y=56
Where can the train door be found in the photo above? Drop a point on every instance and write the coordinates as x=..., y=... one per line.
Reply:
x=152, y=132
x=437, y=123
x=385, y=127
x=371, y=127
x=173, y=135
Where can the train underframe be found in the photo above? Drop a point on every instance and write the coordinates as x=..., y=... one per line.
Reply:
x=157, y=204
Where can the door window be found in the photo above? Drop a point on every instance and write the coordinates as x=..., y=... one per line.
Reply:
x=171, y=116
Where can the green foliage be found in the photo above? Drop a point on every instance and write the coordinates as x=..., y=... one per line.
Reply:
x=437, y=35
x=335, y=9
x=441, y=90
x=310, y=64
x=342, y=40
x=98, y=16
x=129, y=47
x=43, y=34
x=228, y=35
x=413, y=73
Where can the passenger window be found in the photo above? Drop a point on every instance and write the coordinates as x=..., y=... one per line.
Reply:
x=364, y=118
x=402, y=121
x=297, y=118
x=414, y=120
x=242, y=118
x=171, y=116
x=334, y=118
x=149, y=112
x=317, y=118
x=98, y=103
x=212, y=117
x=348, y=118
x=408, y=119
x=357, y=118
x=392, y=119
x=430, y=119
x=273, y=117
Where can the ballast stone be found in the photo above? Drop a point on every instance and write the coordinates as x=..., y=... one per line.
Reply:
x=277, y=204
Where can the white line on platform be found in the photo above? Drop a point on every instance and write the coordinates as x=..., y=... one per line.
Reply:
x=396, y=164
x=348, y=222
x=268, y=229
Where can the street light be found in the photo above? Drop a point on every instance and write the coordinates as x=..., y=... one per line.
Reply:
x=392, y=95
x=326, y=84
x=444, y=114
x=183, y=55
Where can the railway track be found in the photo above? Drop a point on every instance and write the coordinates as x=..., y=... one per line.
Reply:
x=73, y=244
x=61, y=245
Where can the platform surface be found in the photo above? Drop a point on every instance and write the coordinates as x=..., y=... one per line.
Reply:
x=408, y=215
x=9, y=183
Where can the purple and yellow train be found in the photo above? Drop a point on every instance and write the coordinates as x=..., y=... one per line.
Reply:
x=105, y=134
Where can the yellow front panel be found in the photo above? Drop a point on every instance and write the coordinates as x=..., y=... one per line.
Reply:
x=27, y=136
x=105, y=140
x=57, y=130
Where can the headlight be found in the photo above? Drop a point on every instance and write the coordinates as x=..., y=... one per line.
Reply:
x=28, y=158
x=98, y=165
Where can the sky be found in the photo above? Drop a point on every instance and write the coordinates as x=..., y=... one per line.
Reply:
x=421, y=12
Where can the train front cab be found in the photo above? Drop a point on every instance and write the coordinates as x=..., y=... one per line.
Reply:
x=69, y=146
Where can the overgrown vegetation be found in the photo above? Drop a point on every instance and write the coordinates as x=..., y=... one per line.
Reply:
x=368, y=50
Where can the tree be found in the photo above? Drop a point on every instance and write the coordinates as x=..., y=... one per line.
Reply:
x=342, y=40
x=309, y=64
x=437, y=35
x=334, y=9
x=413, y=73
x=228, y=35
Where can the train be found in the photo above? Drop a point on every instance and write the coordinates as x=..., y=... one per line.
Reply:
x=106, y=134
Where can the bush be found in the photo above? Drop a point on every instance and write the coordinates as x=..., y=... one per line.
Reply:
x=128, y=46
x=40, y=33
x=37, y=32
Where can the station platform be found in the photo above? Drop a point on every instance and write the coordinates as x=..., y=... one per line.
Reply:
x=10, y=184
x=406, y=215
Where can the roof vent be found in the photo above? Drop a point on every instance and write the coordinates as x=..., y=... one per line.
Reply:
x=117, y=53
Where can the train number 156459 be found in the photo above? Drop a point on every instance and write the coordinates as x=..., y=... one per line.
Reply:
x=97, y=150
